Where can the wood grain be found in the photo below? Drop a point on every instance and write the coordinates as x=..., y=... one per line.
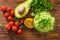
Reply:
x=29, y=34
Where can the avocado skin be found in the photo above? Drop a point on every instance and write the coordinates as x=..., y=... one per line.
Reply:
x=25, y=4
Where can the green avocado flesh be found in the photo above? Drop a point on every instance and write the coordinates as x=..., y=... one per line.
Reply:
x=25, y=4
x=44, y=22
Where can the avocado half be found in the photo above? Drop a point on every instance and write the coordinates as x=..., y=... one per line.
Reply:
x=25, y=4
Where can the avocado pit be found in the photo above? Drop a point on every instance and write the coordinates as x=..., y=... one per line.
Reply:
x=21, y=10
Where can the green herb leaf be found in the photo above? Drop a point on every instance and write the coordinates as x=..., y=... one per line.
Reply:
x=41, y=5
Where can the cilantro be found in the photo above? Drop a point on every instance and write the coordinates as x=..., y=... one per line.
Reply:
x=41, y=5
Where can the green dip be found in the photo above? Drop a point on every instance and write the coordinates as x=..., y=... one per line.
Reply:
x=44, y=22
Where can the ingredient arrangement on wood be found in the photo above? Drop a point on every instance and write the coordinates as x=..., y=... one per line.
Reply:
x=42, y=20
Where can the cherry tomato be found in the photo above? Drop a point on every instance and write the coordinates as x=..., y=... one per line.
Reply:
x=8, y=27
x=9, y=9
x=12, y=13
x=17, y=23
x=12, y=23
x=6, y=14
x=3, y=8
x=9, y=18
x=22, y=21
x=14, y=28
x=19, y=32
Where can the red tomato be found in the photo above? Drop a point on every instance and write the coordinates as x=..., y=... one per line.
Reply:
x=19, y=32
x=9, y=8
x=12, y=23
x=3, y=8
x=17, y=23
x=9, y=18
x=12, y=13
x=22, y=21
x=14, y=28
x=6, y=14
x=8, y=27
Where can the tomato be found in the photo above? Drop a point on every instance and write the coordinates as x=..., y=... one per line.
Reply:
x=20, y=31
x=6, y=14
x=22, y=21
x=14, y=28
x=12, y=23
x=8, y=27
x=17, y=23
x=9, y=18
x=9, y=9
x=3, y=8
x=12, y=13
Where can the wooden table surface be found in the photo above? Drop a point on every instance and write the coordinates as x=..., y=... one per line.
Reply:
x=29, y=34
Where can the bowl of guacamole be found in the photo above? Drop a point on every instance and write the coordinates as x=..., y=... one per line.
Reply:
x=44, y=22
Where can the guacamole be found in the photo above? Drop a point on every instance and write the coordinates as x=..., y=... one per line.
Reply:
x=44, y=22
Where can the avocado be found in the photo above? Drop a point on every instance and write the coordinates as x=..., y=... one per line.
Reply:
x=22, y=9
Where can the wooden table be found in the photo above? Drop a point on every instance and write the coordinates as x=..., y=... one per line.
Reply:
x=29, y=34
